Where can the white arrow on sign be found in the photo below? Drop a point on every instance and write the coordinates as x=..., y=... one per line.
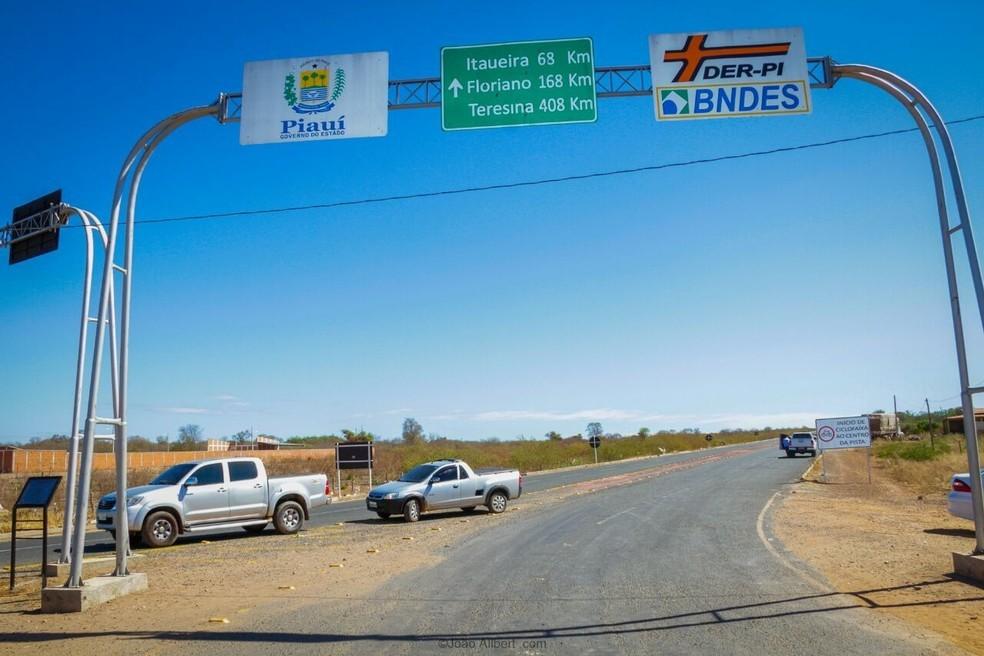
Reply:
x=455, y=86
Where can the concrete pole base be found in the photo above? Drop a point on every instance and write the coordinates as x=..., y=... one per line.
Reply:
x=97, y=590
x=969, y=566
x=90, y=567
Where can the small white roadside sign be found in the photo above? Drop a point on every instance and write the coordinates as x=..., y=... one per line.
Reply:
x=315, y=98
x=844, y=433
x=729, y=73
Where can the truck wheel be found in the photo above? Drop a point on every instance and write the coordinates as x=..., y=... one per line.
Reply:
x=288, y=517
x=255, y=528
x=160, y=529
x=497, y=503
x=813, y=454
x=411, y=510
x=469, y=509
x=383, y=515
x=790, y=453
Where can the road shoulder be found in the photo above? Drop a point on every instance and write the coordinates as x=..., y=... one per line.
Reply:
x=884, y=545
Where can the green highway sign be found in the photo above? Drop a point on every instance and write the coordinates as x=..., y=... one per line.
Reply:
x=524, y=83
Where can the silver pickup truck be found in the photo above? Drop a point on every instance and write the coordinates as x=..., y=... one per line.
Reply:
x=444, y=484
x=215, y=494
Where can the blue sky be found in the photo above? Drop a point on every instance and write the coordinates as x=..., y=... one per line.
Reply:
x=764, y=291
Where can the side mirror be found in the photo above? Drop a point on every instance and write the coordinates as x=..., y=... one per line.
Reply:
x=191, y=481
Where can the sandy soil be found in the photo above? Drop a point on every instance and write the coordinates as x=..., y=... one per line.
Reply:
x=886, y=545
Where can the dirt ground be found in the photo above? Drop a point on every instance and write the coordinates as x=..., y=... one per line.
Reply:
x=886, y=544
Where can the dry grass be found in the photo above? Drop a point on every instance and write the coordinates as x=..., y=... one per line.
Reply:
x=923, y=466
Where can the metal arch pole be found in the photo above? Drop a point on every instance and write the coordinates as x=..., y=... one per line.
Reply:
x=956, y=179
x=75, y=575
x=123, y=535
x=113, y=359
x=91, y=224
x=890, y=83
x=73, y=442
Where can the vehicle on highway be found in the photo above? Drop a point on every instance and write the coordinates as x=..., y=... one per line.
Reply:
x=445, y=484
x=223, y=493
x=801, y=443
x=958, y=501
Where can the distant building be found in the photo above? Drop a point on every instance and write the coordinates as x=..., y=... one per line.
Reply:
x=260, y=443
x=954, y=424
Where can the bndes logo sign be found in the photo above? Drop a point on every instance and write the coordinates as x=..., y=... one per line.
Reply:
x=730, y=73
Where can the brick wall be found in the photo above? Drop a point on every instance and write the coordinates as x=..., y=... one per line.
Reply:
x=34, y=461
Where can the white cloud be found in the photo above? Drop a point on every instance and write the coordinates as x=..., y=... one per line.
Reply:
x=760, y=420
x=597, y=414
x=226, y=397
x=398, y=411
x=185, y=411
x=709, y=421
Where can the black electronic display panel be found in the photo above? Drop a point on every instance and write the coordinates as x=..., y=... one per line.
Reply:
x=41, y=243
x=354, y=455
x=38, y=492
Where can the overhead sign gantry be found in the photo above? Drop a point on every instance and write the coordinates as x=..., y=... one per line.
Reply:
x=457, y=114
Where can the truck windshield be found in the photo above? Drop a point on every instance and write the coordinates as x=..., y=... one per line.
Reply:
x=173, y=475
x=418, y=474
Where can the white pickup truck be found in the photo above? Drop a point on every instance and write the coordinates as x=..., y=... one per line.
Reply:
x=445, y=484
x=215, y=494
x=801, y=443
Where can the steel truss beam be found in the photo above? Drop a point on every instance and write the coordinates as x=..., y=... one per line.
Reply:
x=610, y=81
x=34, y=225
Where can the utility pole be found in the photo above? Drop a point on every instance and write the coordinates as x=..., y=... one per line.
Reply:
x=895, y=409
x=929, y=415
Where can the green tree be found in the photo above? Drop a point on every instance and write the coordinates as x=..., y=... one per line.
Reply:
x=413, y=432
x=189, y=437
x=643, y=432
x=554, y=435
x=594, y=429
x=139, y=443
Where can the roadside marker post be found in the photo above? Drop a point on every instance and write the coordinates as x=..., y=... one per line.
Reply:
x=595, y=442
x=37, y=492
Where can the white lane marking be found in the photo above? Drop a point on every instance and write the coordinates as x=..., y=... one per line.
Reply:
x=760, y=529
x=615, y=515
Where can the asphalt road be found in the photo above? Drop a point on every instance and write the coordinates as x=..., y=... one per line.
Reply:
x=670, y=564
x=98, y=543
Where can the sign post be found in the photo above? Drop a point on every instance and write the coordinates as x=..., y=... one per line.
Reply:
x=523, y=83
x=353, y=455
x=595, y=442
x=729, y=73
x=36, y=493
x=844, y=433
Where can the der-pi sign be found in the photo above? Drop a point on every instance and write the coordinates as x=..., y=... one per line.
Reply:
x=730, y=73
